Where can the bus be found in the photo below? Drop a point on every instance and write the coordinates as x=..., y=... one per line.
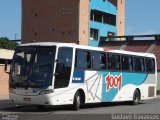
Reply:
x=47, y=73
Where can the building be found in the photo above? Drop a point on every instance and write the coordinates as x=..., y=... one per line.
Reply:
x=6, y=56
x=73, y=21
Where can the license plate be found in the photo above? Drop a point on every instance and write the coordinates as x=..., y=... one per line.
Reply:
x=27, y=99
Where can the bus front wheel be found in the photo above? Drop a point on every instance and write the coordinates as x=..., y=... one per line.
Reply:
x=77, y=101
x=136, y=97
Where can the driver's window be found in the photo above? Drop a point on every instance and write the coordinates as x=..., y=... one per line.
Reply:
x=63, y=68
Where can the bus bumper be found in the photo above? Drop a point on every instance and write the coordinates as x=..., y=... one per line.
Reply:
x=47, y=99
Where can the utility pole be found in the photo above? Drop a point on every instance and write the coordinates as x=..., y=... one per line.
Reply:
x=15, y=36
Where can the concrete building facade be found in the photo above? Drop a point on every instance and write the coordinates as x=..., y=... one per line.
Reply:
x=72, y=21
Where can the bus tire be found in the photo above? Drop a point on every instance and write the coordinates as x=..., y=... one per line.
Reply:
x=136, y=97
x=40, y=107
x=77, y=101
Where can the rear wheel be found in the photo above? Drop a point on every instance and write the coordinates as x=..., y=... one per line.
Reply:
x=136, y=97
x=77, y=101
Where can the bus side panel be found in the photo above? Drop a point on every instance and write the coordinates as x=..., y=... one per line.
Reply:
x=148, y=88
x=93, y=82
x=103, y=86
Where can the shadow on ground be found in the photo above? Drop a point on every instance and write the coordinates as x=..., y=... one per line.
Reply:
x=33, y=108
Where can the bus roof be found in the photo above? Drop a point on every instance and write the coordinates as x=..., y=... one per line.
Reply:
x=88, y=48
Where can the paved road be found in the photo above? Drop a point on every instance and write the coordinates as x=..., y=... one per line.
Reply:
x=90, y=111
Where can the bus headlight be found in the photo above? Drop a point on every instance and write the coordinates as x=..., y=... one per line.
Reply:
x=46, y=92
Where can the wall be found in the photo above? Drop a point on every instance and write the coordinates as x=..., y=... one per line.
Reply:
x=4, y=78
x=8, y=54
x=121, y=17
x=106, y=7
x=67, y=20
x=83, y=22
x=50, y=20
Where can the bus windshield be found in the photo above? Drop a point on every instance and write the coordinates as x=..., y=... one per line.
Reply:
x=32, y=67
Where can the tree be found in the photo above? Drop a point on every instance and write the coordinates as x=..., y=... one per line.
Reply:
x=5, y=43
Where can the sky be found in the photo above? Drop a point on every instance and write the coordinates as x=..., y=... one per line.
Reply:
x=10, y=18
x=141, y=17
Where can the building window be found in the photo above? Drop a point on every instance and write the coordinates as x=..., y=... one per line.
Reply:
x=92, y=15
x=103, y=17
x=98, y=16
x=93, y=34
x=106, y=18
x=112, y=20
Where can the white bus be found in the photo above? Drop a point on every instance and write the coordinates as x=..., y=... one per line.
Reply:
x=68, y=74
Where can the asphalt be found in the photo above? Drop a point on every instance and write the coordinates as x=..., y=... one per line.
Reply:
x=105, y=111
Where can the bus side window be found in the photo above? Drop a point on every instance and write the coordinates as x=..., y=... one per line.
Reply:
x=118, y=62
x=88, y=59
x=127, y=63
x=83, y=60
x=150, y=65
x=114, y=62
x=103, y=61
x=96, y=60
x=130, y=63
x=109, y=61
x=139, y=64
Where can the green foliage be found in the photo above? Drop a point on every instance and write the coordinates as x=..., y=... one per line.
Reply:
x=5, y=43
